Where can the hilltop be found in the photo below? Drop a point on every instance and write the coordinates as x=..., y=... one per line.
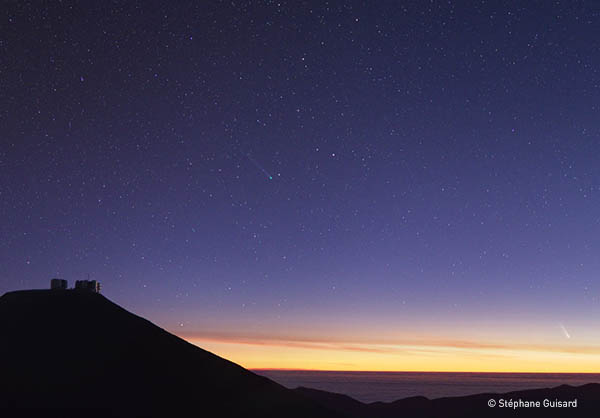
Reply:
x=67, y=350
x=77, y=349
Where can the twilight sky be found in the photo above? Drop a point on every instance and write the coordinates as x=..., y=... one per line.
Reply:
x=337, y=185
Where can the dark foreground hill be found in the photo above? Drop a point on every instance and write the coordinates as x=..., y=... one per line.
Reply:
x=587, y=404
x=76, y=349
x=65, y=351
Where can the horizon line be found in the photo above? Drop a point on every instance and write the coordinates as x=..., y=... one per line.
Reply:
x=402, y=371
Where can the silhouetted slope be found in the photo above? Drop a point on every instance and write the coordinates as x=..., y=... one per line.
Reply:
x=72, y=349
x=336, y=401
x=588, y=404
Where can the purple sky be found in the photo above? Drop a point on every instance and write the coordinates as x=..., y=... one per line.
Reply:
x=434, y=166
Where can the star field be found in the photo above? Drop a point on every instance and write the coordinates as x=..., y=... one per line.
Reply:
x=259, y=166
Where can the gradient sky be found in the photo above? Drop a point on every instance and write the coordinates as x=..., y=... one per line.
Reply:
x=336, y=185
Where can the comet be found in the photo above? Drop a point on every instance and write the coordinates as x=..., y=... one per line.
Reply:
x=260, y=167
x=564, y=330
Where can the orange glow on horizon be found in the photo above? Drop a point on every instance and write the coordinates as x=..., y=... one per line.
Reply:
x=424, y=356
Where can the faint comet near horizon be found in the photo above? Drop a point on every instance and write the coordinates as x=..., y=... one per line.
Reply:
x=564, y=330
x=260, y=167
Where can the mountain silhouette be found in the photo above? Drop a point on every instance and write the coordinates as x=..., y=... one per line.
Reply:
x=473, y=406
x=64, y=350
x=75, y=353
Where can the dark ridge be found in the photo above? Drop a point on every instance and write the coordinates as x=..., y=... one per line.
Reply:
x=76, y=353
x=588, y=404
x=342, y=403
x=76, y=349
